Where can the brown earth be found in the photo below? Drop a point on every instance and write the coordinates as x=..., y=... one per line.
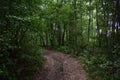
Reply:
x=60, y=67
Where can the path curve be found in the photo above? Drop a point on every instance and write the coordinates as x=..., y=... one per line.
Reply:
x=60, y=67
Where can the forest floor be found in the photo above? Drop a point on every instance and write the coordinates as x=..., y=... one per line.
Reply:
x=59, y=66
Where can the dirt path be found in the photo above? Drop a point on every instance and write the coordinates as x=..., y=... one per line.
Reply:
x=60, y=67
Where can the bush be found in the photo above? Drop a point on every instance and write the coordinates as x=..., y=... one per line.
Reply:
x=19, y=62
x=94, y=64
x=63, y=49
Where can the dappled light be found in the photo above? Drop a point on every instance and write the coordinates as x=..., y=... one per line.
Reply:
x=59, y=39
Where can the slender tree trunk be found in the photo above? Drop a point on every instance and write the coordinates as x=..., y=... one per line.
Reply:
x=118, y=13
x=97, y=24
x=75, y=24
x=89, y=23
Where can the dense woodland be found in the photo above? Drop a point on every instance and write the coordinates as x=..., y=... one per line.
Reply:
x=86, y=29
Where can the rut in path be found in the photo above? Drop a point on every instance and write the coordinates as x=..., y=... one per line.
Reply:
x=60, y=67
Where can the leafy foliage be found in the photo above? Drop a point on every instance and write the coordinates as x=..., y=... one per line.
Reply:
x=20, y=55
x=88, y=29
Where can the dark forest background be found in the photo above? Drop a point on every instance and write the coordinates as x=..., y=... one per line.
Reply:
x=86, y=29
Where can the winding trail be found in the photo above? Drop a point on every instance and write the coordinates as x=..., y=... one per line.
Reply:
x=60, y=67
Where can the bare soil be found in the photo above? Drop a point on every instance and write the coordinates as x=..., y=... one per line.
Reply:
x=60, y=67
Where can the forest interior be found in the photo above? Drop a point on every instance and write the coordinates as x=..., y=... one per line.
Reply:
x=34, y=32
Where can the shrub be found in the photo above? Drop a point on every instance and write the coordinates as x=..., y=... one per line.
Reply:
x=19, y=62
